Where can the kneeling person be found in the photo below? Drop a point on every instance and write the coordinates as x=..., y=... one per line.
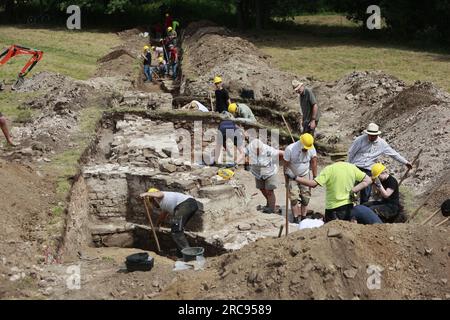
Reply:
x=386, y=185
x=241, y=111
x=179, y=206
x=263, y=161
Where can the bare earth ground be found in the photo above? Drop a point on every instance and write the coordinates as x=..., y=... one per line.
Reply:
x=326, y=263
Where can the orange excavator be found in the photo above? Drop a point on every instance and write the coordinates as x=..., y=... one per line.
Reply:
x=16, y=50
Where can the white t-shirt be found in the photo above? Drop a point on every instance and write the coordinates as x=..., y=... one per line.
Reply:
x=264, y=165
x=310, y=223
x=201, y=107
x=171, y=200
x=299, y=161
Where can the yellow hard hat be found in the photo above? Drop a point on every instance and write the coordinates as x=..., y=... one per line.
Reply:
x=169, y=29
x=217, y=79
x=160, y=59
x=151, y=190
x=226, y=174
x=307, y=140
x=377, y=169
x=153, y=48
x=146, y=47
x=232, y=108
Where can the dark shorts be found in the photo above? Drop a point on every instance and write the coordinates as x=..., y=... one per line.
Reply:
x=386, y=211
x=339, y=213
x=238, y=138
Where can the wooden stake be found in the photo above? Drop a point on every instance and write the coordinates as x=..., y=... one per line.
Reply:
x=211, y=101
x=147, y=206
x=287, y=206
x=442, y=222
x=430, y=217
x=281, y=231
x=287, y=126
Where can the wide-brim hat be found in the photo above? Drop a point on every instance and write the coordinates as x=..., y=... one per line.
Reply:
x=296, y=84
x=372, y=130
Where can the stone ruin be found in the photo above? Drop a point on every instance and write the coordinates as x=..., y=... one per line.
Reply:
x=132, y=153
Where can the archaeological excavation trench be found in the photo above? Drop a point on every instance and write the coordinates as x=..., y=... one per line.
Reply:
x=134, y=151
x=145, y=139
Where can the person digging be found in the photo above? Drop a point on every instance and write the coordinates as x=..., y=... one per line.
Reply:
x=242, y=112
x=262, y=163
x=180, y=207
x=300, y=158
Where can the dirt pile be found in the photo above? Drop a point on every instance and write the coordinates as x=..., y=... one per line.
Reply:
x=26, y=227
x=45, y=81
x=410, y=117
x=338, y=261
x=213, y=50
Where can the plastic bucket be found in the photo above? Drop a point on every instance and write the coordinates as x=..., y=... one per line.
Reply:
x=192, y=253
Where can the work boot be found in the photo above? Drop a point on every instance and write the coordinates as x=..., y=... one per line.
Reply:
x=180, y=240
x=295, y=220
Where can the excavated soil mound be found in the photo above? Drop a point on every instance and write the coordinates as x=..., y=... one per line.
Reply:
x=45, y=81
x=114, y=55
x=338, y=261
x=212, y=50
x=410, y=118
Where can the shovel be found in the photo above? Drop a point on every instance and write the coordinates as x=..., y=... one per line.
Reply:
x=147, y=209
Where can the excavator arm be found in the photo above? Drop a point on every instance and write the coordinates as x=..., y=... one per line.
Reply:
x=16, y=50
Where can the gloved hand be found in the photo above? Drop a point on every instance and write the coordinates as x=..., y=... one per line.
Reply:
x=353, y=197
x=377, y=182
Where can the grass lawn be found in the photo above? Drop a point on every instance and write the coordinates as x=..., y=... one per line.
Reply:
x=329, y=47
x=71, y=53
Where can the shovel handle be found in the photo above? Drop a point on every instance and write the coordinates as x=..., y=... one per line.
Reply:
x=430, y=217
x=442, y=222
x=147, y=206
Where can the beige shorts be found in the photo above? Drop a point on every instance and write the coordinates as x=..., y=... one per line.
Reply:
x=299, y=194
x=268, y=184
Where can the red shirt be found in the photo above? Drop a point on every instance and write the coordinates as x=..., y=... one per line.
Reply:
x=174, y=54
x=168, y=22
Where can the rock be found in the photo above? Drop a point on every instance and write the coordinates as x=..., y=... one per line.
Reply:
x=391, y=238
x=155, y=284
x=334, y=233
x=444, y=281
x=47, y=291
x=349, y=97
x=244, y=227
x=167, y=167
x=295, y=250
x=217, y=192
x=428, y=251
x=350, y=273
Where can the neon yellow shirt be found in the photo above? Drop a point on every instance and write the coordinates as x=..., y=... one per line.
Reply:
x=339, y=179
